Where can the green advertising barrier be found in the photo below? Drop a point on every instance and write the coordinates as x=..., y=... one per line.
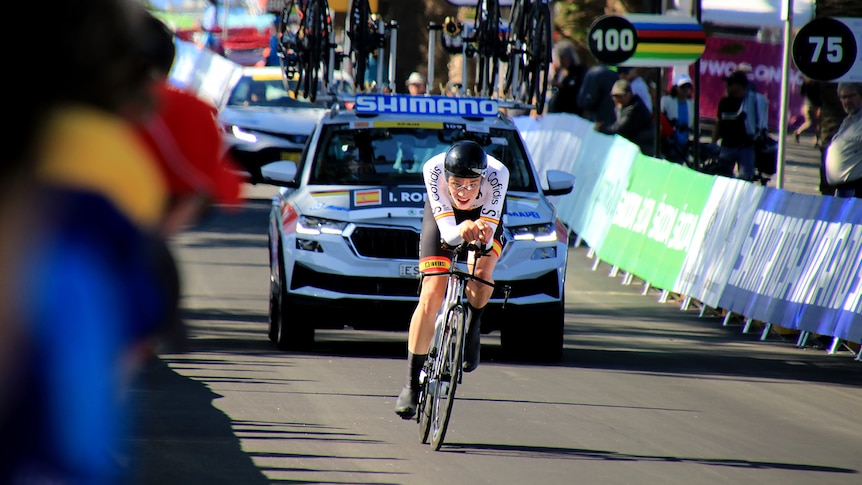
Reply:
x=655, y=220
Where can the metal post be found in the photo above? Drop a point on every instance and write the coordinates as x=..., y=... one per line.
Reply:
x=596, y=264
x=646, y=288
x=727, y=318
x=787, y=16
x=432, y=39
x=696, y=80
x=614, y=271
x=834, y=347
x=331, y=61
x=747, y=327
x=393, y=37
x=803, y=339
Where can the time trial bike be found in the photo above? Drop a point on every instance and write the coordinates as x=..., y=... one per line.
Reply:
x=442, y=371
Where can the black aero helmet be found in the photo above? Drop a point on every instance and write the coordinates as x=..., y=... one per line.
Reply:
x=465, y=159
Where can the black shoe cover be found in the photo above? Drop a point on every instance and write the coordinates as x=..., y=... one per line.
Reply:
x=405, y=406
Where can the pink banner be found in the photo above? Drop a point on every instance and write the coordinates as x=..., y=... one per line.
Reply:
x=723, y=56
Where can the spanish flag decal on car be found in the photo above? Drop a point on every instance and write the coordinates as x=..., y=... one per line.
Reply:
x=366, y=197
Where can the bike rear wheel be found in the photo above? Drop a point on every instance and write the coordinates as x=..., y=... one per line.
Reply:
x=448, y=369
x=423, y=408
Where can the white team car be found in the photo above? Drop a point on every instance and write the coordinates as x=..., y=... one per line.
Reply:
x=263, y=120
x=344, y=228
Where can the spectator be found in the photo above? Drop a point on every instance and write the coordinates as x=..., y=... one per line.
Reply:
x=270, y=54
x=210, y=28
x=844, y=155
x=92, y=281
x=634, y=122
x=594, y=97
x=737, y=122
x=416, y=84
x=639, y=86
x=568, y=76
x=183, y=136
x=678, y=108
x=810, y=91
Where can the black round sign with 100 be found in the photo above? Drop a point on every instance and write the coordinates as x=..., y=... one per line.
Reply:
x=612, y=39
x=824, y=49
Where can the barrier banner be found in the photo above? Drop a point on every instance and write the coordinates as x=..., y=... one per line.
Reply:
x=599, y=162
x=655, y=221
x=800, y=265
x=723, y=225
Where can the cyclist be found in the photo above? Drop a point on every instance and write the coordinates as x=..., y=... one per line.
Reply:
x=466, y=200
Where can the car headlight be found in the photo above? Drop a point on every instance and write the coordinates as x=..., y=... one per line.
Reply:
x=239, y=133
x=538, y=233
x=317, y=225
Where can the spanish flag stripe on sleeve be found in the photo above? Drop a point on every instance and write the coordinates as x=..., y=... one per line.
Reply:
x=496, y=248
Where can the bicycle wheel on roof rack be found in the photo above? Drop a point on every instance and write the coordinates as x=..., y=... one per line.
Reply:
x=487, y=45
x=540, y=57
x=361, y=37
x=515, y=39
x=286, y=46
x=317, y=32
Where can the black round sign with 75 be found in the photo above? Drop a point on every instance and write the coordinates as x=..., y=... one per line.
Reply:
x=824, y=49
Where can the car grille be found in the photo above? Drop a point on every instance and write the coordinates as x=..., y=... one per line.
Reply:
x=354, y=285
x=377, y=242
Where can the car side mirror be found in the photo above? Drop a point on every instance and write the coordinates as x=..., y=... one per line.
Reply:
x=282, y=173
x=559, y=182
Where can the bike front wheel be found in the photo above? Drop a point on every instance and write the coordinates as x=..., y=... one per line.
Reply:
x=448, y=370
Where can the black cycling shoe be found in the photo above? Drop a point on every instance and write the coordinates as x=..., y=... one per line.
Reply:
x=405, y=406
x=471, y=352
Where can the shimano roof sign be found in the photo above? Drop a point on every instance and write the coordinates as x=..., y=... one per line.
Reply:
x=425, y=105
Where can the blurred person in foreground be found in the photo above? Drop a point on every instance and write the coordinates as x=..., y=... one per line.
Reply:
x=634, y=121
x=93, y=282
x=183, y=136
x=843, y=164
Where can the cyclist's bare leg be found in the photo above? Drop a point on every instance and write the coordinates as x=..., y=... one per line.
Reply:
x=419, y=341
x=422, y=323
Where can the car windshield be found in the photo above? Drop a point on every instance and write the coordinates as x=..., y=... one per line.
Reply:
x=267, y=91
x=394, y=156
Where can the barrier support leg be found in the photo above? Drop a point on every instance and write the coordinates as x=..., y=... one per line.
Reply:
x=596, y=264
x=646, y=288
x=727, y=319
x=577, y=243
x=747, y=326
x=686, y=304
x=834, y=347
x=859, y=355
x=663, y=296
x=615, y=270
x=765, y=332
x=591, y=253
x=627, y=279
x=803, y=339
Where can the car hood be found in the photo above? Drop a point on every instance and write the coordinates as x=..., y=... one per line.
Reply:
x=290, y=121
x=401, y=205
